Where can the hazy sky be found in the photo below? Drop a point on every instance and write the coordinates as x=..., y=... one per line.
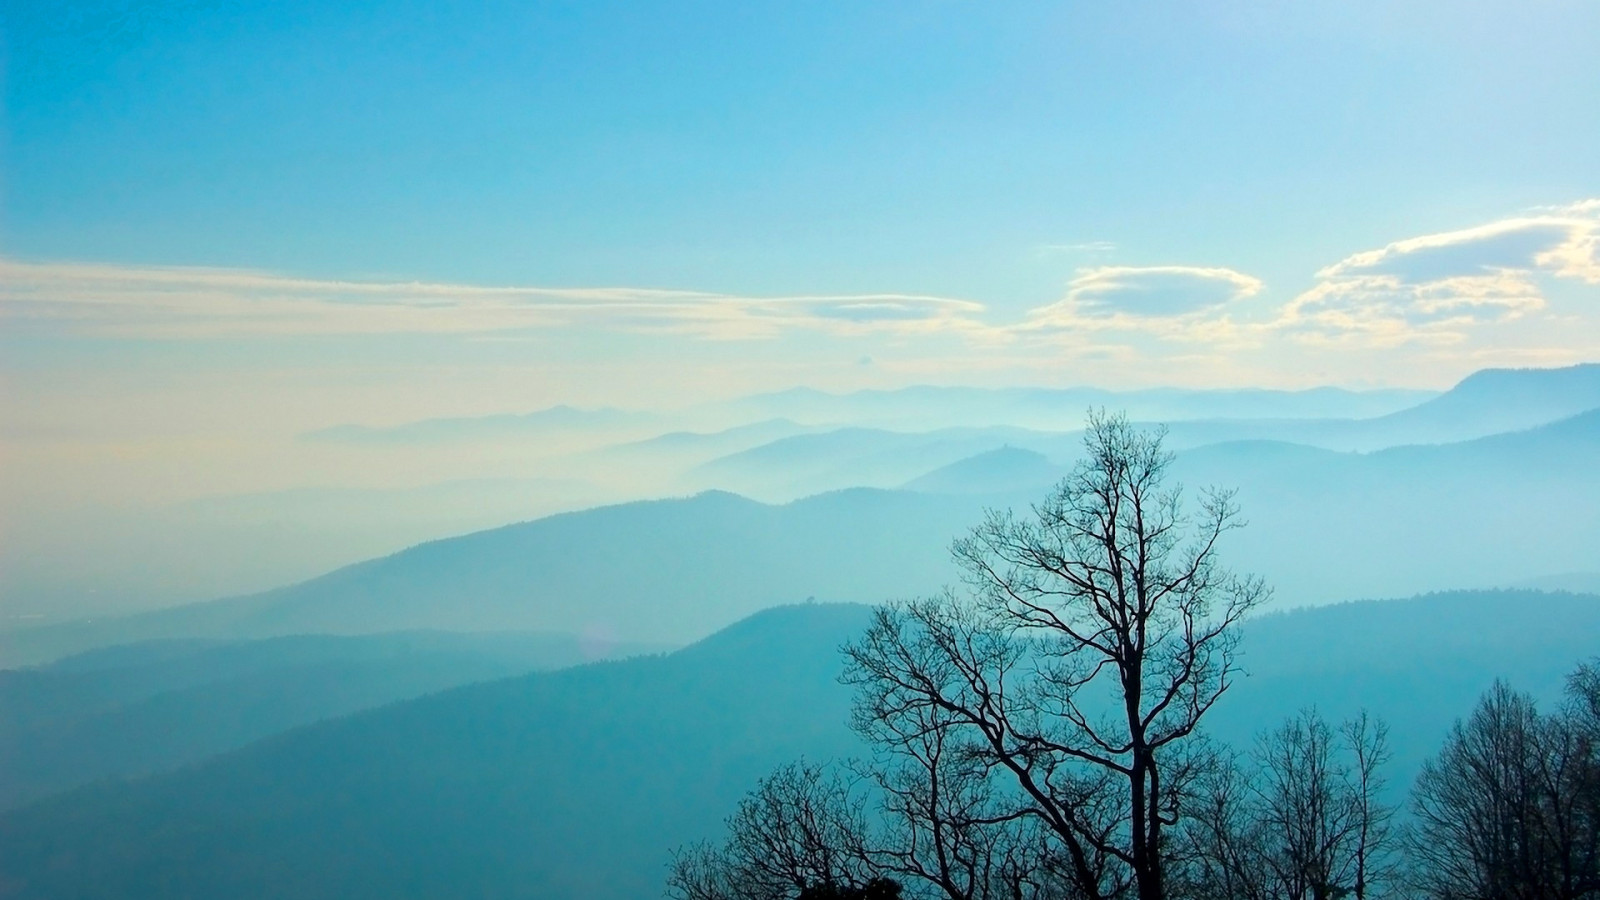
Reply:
x=225, y=224
x=273, y=216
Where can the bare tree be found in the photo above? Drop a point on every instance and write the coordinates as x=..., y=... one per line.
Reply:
x=1098, y=632
x=1508, y=808
x=802, y=828
x=1303, y=823
x=1367, y=740
x=1310, y=818
x=954, y=820
x=1036, y=736
x=1583, y=693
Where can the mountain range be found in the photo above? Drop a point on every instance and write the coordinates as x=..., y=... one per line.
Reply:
x=1325, y=526
x=579, y=783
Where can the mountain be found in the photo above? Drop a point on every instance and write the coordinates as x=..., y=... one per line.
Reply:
x=152, y=706
x=1488, y=402
x=657, y=571
x=1484, y=404
x=1007, y=469
x=1496, y=510
x=578, y=783
x=542, y=422
x=1058, y=409
x=665, y=458
x=1498, y=400
x=1325, y=526
x=863, y=457
x=713, y=443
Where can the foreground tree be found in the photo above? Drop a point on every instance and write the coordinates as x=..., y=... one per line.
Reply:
x=1510, y=808
x=1036, y=736
x=1098, y=632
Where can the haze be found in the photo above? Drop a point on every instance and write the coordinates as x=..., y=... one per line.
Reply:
x=352, y=352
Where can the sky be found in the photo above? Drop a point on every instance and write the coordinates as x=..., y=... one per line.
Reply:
x=225, y=224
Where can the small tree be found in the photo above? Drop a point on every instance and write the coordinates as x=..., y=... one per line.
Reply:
x=800, y=833
x=1299, y=820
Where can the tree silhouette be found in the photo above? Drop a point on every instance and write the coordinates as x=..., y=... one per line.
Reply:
x=1036, y=735
x=1300, y=819
x=1510, y=808
x=1096, y=634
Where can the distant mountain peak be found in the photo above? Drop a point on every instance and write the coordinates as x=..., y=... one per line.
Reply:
x=1003, y=469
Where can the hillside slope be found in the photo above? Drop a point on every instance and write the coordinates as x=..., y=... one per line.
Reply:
x=577, y=784
x=659, y=571
x=148, y=707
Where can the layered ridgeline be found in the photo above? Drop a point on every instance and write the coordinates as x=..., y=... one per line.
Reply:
x=661, y=571
x=577, y=783
x=1325, y=526
x=1489, y=402
x=151, y=706
x=76, y=560
x=929, y=407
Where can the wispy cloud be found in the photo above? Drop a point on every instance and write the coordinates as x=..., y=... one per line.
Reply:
x=1452, y=293
x=1080, y=247
x=179, y=303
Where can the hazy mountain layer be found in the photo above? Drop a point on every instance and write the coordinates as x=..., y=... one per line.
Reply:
x=668, y=571
x=1060, y=409
x=556, y=419
x=383, y=488
x=147, y=707
x=1009, y=469
x=1487, y=403
x=864, y=457
x=577, y=784
x=1325, y=526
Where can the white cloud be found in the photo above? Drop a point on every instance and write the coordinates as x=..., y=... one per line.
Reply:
x=1179, y=302
x=1435, y=288
x=1521, y=285
x=179, y=303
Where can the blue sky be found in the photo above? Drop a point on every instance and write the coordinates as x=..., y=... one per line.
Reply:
x=836, y=194
x=921, y=147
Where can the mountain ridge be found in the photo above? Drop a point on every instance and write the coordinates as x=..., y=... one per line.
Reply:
x=521, y=786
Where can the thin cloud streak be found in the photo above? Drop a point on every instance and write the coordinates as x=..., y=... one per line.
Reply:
x=182, y=303
x=1445, y=290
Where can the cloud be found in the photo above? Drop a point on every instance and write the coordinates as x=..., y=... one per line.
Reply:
x=1170, y=301
x=1081, y=247
x=1157, y=290
x=1435, y=288
x=194, y=303
x=1451, y=293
